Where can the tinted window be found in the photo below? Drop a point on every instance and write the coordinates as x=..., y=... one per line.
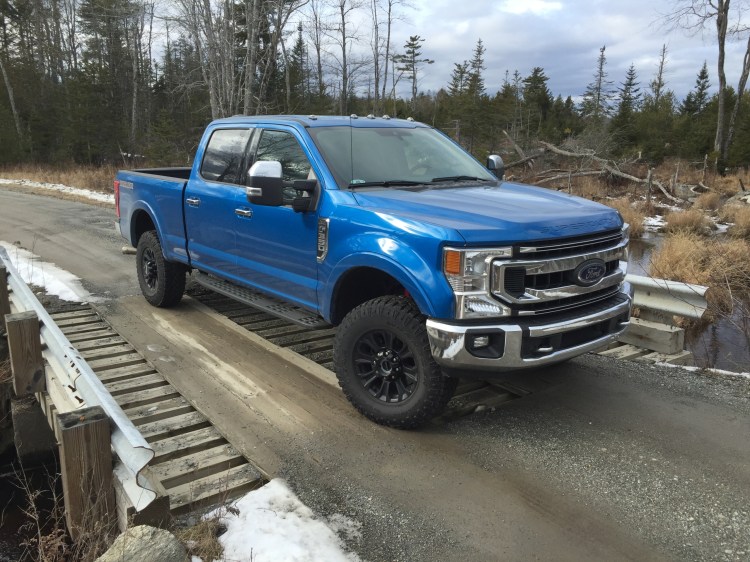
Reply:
x=224, y=154
x=283, y=147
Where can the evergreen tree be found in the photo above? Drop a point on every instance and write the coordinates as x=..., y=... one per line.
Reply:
x=410, y=62
x=597, y=98
x=475, y=87
x=624, y=121
x=696, y=100
x=537, y=97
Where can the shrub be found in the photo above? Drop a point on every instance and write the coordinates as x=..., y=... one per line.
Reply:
x=709, y=201
x=721, y=265
x=632, y=215
x=97, y=178
x=741, y=226
x=693, y=221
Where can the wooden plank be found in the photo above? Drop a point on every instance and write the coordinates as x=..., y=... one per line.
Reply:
x=625, y=352
x=91, y=335
x=171, y=427
x=128, y=372
x=110, y=363
x=86, y=466
x=61, y=316
x=135, y=384
x=73, y=331
x=97, y=343
x=159, y=411
x=25, y=347
x=83, y=320
x=198, y=465
x=185, y=444
x=654, y=336
x=4, y=295
x=139, y=398
x=313, y=347
x=304, y=338
x=111, y=351
x=684, y=357
x=214, y=488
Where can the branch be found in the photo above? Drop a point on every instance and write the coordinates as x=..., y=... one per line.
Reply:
x=524, y=160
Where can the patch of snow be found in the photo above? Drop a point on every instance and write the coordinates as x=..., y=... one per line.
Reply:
x=55, y=281
x=271, y=524
x=722, y=228
x=699, y=369
x=85, y=193
x=654, y=223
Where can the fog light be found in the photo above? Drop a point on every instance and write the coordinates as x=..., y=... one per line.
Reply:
x=480, y=341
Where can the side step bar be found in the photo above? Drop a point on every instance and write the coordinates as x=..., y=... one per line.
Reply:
x=260, y=301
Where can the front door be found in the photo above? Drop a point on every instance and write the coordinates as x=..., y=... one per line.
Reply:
x=276, y=247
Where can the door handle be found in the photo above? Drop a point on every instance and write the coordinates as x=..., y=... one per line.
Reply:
x=193, y=201
x=244, y=213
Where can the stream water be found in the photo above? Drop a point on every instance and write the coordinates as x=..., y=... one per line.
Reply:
x=724, y=344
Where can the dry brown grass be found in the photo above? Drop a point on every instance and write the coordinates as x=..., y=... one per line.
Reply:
x=632, y=215
x=5, y=374
x=721, y=265
x=741, y=226
x=202, y=539
x=590, y=187
x=728, y=185
x=709, y=201
x=692, y=221
x=96, y=178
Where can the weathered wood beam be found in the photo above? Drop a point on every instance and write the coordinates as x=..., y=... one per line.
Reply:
x=25, y=347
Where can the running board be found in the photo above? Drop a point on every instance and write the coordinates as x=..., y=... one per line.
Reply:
x=258, y=300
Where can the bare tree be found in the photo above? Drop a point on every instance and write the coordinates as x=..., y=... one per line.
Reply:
x=344, y=35
x=696, y=15
x=317, y=34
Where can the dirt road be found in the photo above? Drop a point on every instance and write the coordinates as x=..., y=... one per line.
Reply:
x=599, y=461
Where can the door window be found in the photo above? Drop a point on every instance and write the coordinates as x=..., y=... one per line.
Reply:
x=281, y=146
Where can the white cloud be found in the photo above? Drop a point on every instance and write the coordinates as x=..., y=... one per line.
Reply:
x=535, y=7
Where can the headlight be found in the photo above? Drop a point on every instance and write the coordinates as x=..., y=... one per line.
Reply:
x=468, y=273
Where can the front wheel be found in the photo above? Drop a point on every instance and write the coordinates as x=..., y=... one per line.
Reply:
x=384, y=365
x=162, y=282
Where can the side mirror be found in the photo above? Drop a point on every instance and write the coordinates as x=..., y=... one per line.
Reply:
x=496, y=166
x=303, y=203
x=266, y=184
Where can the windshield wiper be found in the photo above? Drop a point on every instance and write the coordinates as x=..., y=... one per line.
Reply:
x=387, y=183
x=459, y=178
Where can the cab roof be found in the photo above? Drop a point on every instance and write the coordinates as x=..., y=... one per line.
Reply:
x=325, y=121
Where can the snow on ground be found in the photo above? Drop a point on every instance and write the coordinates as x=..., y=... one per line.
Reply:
x=85, y=193
x=55, y=281
x=710, y=371
x=654, y=223
x=271, y=524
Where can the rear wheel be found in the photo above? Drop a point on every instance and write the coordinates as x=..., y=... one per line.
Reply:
x=162, y=282
x=384, y=365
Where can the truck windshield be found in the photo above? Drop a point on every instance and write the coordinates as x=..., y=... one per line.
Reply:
x=392, y=157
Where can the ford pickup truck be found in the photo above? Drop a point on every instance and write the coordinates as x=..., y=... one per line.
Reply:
x=429, y=263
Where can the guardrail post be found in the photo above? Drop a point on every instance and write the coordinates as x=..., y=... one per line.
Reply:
x=25, y=347
x=4, y=297
x=86, y=461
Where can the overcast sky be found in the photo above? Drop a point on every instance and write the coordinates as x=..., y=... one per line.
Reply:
x=564, y=38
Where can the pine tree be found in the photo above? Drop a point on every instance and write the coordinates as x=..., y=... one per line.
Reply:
x=624, y=122
x=598, y=95
x=475, y=85
x=410, y=62
x=537, y=97
x=697, y=100
x=459, y=78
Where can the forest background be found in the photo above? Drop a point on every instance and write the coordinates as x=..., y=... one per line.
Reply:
x=130, y=82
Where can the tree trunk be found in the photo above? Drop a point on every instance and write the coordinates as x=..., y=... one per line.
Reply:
x=738, y=101
x=722, y=20
x=12, y=99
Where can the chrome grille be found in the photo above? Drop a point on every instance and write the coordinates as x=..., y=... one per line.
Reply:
x=542, y=280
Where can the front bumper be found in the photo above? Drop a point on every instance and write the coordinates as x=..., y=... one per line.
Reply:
x=529, y=343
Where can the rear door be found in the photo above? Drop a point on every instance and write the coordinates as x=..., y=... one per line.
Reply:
x=276, y=247
x=213, y=201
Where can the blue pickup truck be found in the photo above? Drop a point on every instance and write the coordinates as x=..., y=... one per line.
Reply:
x=431, y=265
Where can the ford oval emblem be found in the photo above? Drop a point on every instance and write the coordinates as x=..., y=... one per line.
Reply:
x=589, y=272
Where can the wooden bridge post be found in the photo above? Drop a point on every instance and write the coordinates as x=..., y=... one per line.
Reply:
x=4, y=297
x=25, y=347
x=86, y=461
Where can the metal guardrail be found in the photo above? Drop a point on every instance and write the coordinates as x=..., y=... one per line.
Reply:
x=80, y=381
x=669, y=297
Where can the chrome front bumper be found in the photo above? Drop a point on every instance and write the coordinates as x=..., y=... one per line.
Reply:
x=528, y=343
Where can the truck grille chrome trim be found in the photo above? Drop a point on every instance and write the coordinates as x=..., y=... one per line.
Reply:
x=544, y=280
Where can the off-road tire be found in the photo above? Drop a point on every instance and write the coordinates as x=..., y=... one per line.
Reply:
x=396, y=320
x=162, y=282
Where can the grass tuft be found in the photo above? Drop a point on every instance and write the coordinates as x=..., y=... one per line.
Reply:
x=631, y=214
x=741, y=220
x=709, y=201
x=95, y=178
x=691, y=221
x=202, y=539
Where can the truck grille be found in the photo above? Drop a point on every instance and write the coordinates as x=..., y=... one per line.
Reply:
x=543, y=280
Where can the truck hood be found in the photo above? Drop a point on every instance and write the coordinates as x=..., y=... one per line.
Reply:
x=506, y=213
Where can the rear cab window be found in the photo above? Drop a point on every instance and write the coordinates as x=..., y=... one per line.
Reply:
x=224, y=156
